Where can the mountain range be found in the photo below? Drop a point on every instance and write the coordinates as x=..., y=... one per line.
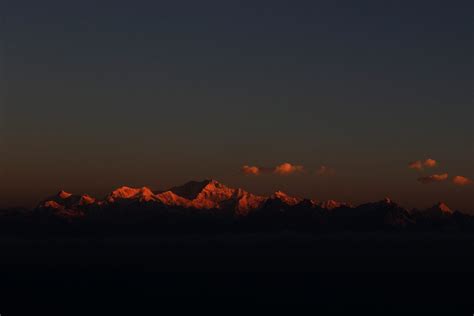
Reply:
x=198, y=195
x=210, y=201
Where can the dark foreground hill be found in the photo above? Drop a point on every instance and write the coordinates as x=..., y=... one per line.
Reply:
x=205, y=248
x=235, y=274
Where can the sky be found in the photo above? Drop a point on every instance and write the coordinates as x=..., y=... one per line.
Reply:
x=99, y=94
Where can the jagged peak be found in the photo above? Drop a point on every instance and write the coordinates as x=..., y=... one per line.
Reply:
x=443, y=207
x=126, y=189
x=171, y=199
x=146, y=191
x=248, y=202
x=64, y=195
x=214, y=184
x=240, y=192
x=123, y=188
x=279, y=194
x=125, y=192
x=167, y=193
x=214, y=187
x=86, y=200
x=52, y=204
x=193, y=189
x=290, y=200
x=388, y=202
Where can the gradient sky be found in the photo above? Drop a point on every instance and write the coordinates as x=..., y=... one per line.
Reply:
x=98, y=94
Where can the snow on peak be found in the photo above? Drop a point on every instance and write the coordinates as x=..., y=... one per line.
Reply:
x=280, y=195
x=247, y=202
x=64, y=195
x=126, y=193
x=52, y=204
x=205, y=194
x=190, y=190
x=171, y=199
x=443, y=208
x=86, y=200
x=216, y=192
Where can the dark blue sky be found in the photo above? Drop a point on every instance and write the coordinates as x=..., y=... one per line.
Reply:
x=97, y=94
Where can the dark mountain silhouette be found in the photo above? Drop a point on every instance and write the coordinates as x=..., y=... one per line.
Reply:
x=191, y=189
x=372, y=216
x=211, y=205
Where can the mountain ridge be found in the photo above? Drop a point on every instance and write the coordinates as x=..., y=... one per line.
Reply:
x=210, y=201
x=208, y=194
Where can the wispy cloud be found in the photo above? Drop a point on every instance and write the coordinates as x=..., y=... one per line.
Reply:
x=433, y=178
x=419, y=165
x=287, y=169
x=325, y=171
x=460, y=180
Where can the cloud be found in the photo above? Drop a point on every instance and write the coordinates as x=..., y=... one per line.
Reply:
x=418, y=165
x=325, y=171
x=251, y=170
x=433, y=178
x=287, y=168
x=460, y=180
x=430, y=163
x=282, y=169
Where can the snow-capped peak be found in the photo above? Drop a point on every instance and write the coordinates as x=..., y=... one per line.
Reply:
x=64, y=195
x=280, y=195
x=216, y=191
x=443, y=208
x=125, y=193
x=86, y=200
x=52, y=204
x=171, y=199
